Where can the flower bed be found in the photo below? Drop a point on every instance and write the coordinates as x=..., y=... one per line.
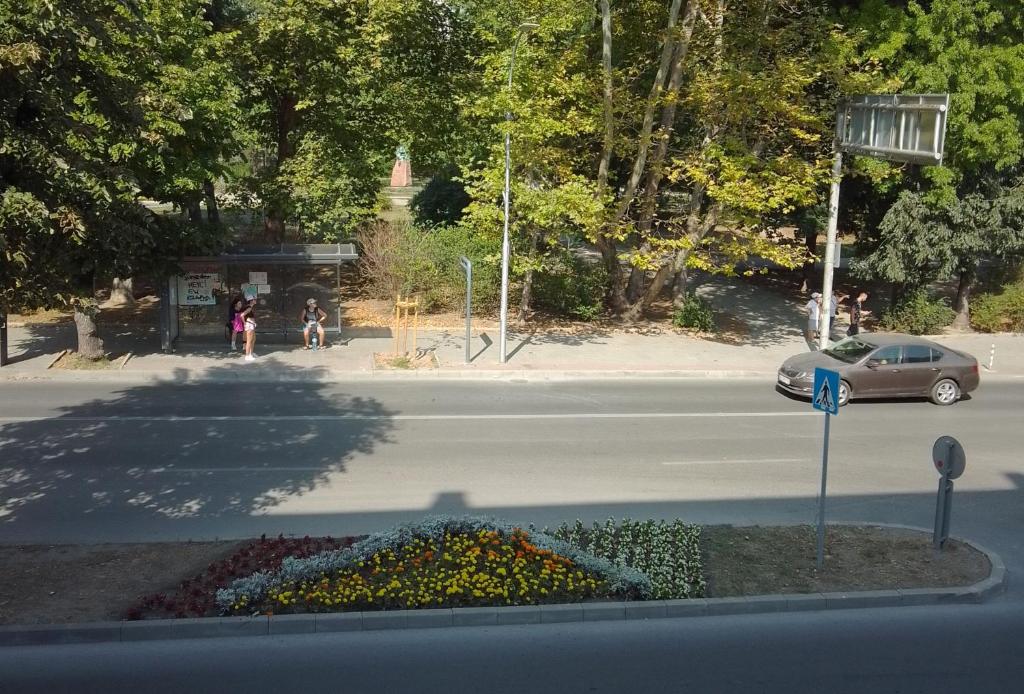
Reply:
x=669, y=553
x=441, y=562
x=194, y=597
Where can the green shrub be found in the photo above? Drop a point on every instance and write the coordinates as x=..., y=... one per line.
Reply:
x=1000, y=312
x=695, y=313
x=396, y=257
x=571, y=286
x=918, y=314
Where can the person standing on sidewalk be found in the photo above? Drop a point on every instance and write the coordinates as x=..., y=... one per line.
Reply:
x=813, y=309
x=857, y=312
x=235, y=323
x=837, y=299
x=249, y=322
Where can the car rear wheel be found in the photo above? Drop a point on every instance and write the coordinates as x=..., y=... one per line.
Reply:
x=844, y=393
x=945, y=392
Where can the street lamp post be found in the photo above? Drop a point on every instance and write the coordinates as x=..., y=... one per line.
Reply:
x=524, y=28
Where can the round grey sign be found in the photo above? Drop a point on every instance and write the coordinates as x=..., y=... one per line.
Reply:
x=949, y=457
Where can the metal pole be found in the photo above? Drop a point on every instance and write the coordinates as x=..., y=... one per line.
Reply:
x=505, y=251
x=467, y=265
x=3, y=339
x=821, y=497
x=830, y=246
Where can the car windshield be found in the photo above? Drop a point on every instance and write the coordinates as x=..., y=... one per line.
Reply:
x=849, y=350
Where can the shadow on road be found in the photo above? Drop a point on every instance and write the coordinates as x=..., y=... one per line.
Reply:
x=49, y=470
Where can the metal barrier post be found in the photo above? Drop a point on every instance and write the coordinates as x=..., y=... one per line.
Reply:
x=467, y=267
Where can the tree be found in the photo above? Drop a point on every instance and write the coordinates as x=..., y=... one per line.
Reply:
x=971, y=49
x=330, y=89
x=688, y=135
x=77, y=117
x=922, y=240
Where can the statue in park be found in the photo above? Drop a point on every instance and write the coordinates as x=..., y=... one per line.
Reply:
x=401, y=172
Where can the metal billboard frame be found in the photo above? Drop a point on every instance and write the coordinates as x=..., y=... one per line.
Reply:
x=899, y=127
x=907, y=128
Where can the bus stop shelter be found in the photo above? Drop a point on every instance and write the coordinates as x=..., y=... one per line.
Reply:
x=194, y=304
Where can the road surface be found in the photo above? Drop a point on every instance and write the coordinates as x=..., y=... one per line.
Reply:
x=93, y=462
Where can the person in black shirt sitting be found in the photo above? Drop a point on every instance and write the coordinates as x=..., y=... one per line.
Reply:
x=313, y=317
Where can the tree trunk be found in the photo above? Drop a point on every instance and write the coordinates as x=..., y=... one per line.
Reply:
x=287, y=119
x=609, y=97
x=682, y=277
x=962, y=304
x=212, y=213
x=811, y=244
x=90, y=345
x=195, y=212
x=121, y=292
x=524, y=303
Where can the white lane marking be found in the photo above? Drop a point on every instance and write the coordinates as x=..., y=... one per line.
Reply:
x=735, y=460
x=403, y=417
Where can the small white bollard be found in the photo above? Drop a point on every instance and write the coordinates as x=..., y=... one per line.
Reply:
x=992, y=356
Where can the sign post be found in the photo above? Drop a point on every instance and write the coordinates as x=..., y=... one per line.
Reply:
x=825, y=398
x=3, y=339
x=898, y=127
x=467, y=267
x=950, y=460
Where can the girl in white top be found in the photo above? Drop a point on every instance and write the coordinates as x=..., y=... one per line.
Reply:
x=249, y=320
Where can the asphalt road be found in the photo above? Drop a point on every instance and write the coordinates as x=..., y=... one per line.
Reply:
x=948, y=650
x=92, y=462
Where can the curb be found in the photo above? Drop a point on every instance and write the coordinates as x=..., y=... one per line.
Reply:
x=279, y=625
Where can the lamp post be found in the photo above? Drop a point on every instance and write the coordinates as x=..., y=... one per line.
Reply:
x=524, y=29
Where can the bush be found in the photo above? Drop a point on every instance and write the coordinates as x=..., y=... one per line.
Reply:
x=918, y=314
x=571, y=286
x=442, y=201
x=1000, y=312
x=400, y=258
x=695, y=313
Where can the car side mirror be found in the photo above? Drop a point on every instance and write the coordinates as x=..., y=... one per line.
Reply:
x=872, y=363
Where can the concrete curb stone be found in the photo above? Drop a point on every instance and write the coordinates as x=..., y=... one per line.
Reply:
x=276, y=625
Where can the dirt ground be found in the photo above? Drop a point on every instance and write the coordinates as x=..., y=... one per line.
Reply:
x=44, y=584
x=55, y=584
x=755, y=561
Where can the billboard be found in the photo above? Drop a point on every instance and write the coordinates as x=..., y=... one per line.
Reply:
x=899, y=127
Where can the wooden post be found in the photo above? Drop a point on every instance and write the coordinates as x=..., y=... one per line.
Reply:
x=415, y=324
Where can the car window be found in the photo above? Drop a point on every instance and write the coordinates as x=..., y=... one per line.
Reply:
x=936, y=354
x=887, y=355
x=917, y=354
x=849, y=350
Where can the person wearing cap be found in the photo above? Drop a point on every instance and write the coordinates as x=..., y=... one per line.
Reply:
x=312, y=316
x=813, y=309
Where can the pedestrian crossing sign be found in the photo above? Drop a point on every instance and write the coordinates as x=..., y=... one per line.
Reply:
x=825, y=394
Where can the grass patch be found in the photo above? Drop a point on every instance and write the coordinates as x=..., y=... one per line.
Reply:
x=75, y=361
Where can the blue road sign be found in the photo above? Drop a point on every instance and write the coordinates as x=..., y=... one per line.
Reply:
x=825, y=394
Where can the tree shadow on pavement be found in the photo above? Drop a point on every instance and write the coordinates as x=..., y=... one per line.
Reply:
x=164, y=458
x=754, y=315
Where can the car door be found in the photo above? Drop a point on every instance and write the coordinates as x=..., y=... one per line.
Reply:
x=918, y=372
x=878, y=375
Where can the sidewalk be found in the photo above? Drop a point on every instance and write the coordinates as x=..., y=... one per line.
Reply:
x=530, y=355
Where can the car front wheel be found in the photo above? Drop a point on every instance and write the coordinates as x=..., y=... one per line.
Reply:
x=945, y=392
x=844, y=393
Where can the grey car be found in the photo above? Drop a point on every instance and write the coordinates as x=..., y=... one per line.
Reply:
x=886, y=366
